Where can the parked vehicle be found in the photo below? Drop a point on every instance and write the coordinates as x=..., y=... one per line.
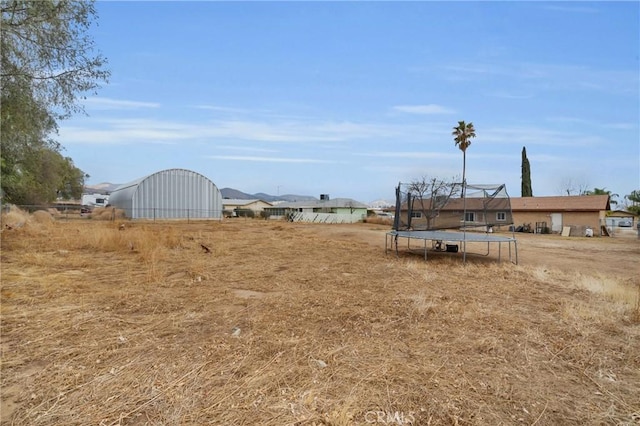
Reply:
x=625, y=223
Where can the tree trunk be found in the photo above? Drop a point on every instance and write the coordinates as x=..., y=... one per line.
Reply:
x=464, y=170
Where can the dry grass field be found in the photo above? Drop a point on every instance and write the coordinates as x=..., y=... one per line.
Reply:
x=253, y=322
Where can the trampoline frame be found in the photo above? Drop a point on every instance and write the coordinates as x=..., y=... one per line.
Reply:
x=392, y=238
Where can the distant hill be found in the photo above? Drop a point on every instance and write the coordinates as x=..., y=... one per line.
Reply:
x=101, y=188
x=235, y=194
x=381, y=204
x=106, y=187
x=239, y=195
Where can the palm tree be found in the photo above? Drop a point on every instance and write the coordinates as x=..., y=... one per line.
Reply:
x=463, y=133
x=634, y=198
x=603, y=191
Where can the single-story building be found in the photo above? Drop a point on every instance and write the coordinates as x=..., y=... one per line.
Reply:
x=480, y=212
x=537, y=214
x=578, y=212
x=230, y=206
x=484, y=208
x=339, y=210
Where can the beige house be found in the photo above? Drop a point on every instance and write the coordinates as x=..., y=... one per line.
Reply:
x=578, y=212
x=536, y=214
x=479, y=213
x=230, y=206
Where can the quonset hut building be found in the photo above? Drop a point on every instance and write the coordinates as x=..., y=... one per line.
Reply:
x=169, y=194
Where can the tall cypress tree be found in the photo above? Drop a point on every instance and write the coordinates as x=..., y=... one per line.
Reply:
x=526, y=175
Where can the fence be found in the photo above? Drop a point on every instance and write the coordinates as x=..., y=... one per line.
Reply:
x=325, y=217
x=75, y=211
x=158, y=213
x=67, y=210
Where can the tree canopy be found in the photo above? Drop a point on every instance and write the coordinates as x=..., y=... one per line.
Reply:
x=462, y=135
x=634, y=200
x=432, y=194
x=602, y=191
x=48, y=64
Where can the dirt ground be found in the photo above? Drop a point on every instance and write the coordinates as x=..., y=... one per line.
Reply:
x=245, y=322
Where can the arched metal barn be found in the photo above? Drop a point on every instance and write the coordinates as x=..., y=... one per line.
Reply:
x=169, y=194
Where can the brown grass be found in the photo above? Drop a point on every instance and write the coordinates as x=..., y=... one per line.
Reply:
x=107, y=213
x=379, y=220
x=282, y=323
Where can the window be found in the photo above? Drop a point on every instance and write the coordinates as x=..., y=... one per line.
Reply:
x=470, y=217
x=416, y=215
x=501, y=216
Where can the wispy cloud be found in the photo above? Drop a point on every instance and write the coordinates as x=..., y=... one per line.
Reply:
x=621, y=126
x=591, y=123
x=535, y=77
x=245, y=148
x=473, y=68
x=119, y=131
x=267, y=159
x=521, y=135
x=223, y=109
x=112, y=104
x=409, y=154
x=424, y=109
x=571, y=9
x=546, y=159
x=509, y=95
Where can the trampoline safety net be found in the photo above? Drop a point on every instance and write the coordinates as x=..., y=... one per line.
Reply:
x=435, y=205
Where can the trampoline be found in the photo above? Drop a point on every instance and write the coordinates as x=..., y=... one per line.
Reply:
x=439, y=240
x=435, y=211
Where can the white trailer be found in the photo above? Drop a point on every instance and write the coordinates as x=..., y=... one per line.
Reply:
x=95, y=200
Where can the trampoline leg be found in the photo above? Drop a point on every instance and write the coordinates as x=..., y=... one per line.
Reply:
x=396, y=241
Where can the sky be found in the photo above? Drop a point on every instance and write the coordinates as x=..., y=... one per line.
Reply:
x=351, y=98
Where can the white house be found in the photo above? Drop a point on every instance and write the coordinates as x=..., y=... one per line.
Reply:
x=339, y=210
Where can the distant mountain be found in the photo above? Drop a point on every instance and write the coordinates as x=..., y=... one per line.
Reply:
x=239, y=195
x=235, y=194
x=381, y=204
x=106, y=187
x=101, y=188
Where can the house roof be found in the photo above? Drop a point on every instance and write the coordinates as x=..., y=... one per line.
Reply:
x=620, y=213
x=585, y=203
x=335, y=203
x=241, y=202
x=561, y=203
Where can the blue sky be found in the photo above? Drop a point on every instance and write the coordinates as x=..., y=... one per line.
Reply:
x=350, y=98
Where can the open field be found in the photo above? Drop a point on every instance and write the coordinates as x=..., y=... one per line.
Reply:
x=247, y=322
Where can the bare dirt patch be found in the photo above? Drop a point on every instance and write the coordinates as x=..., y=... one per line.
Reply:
x=141, y=325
